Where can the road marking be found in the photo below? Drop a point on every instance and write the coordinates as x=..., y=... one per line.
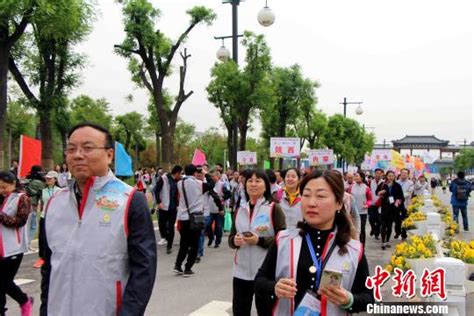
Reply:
x=23, y=281
x=214, y=308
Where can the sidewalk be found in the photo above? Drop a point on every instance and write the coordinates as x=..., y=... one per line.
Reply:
x=376, y=256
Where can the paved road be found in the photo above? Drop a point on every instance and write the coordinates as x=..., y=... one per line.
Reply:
x=209, y=292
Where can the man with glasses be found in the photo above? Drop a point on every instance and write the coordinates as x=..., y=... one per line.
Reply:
x=100, y=256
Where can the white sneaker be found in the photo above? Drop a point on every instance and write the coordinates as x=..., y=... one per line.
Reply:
x=162, y=242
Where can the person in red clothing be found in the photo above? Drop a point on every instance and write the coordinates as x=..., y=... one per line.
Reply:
x=14, y=212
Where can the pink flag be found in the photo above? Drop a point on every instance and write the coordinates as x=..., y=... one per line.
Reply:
x=199, y=158
x=30, y=155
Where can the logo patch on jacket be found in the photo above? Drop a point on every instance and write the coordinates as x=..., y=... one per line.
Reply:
x=262, y=223
x=111, y=196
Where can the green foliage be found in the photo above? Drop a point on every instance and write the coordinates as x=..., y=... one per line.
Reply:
x=465, y=159
x=348, y=139
x=86, y=109
x=128, y=131
x=201, y=14
x=20, y=121
x=292, y=109
x=223, y=90
x=213, y=144
x=12, y=11
x=183, y=139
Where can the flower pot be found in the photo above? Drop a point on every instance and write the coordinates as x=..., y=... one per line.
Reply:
x=417, y=265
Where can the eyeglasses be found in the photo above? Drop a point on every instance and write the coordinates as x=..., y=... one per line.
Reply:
x=84, y=150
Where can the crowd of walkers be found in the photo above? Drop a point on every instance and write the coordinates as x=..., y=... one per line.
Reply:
x=288, y=229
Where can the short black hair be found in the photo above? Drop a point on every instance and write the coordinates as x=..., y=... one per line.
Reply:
x=379, y=169
x=190, y=169
x=261, y=174
x=405, y=169
x=284, y=172
x=271, y=176
x=109, y=140
x=176, y=169
x=461, y=174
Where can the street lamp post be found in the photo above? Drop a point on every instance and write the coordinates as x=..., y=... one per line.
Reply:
x=359, y=110
x=266, y=17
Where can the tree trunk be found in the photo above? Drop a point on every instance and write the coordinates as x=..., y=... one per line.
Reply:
x=63, y=135
x=229, y=145
x=3, y=102
x=9, y=148
x=282, y=133
x=243, y=137
x=158, y=148
x=46, y=138
x=235, y=137
x=167, y=147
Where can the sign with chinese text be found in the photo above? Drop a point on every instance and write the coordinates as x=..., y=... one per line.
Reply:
x=247, y=157
x=287, y=147
x=321, y=157
x=381, y=155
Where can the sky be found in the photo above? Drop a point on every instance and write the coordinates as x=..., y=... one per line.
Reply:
x=409, y=62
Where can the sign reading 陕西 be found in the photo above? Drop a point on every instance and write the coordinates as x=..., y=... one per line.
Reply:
x=285, y=147
x=321, y=157
x=247, y=158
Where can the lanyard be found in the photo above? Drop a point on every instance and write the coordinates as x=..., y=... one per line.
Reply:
x=317, y=262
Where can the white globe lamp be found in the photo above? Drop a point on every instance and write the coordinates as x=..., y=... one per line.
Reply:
x=266, y=17
x=223, y=53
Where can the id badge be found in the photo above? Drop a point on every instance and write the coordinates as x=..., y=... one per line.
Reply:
x=391, y=199
x=309, y=305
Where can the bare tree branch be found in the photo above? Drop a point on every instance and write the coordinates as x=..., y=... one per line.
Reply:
x=133, y=51
x=20, y=28
x=145, y=79
x=21, y=81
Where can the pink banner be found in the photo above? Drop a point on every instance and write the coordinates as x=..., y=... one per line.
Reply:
x=199, y=158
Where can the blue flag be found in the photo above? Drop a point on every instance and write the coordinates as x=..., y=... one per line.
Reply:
x=123, y=162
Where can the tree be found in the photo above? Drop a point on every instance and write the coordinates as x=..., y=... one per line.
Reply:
x=150, y=54
x=224, y=92
x=256, y=87
x=15, y=15
x=213, y=144
x=293, y=93
x=239, y=93
x=86, y=109
x=465, y=159
x=128, y=130
x=20, y=121
x=48, y=61
x=348, y=139
x=183, y=137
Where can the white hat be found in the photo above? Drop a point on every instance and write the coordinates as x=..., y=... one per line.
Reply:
x=52, y=174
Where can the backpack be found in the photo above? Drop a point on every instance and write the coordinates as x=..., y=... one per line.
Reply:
x=34, y=190
x=461, y=192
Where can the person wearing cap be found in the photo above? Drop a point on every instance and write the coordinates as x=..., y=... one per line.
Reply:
x=100, y=251
x=52, y=186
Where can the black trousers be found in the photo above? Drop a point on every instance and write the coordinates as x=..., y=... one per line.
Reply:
x=166, y=220
x=8, y=269
x=363, y=221
x=401, y=214
x=41, y=238
x=218, y=227
x=242, y=298
x=374, y=220
x=386, y=224
x=188, y=245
